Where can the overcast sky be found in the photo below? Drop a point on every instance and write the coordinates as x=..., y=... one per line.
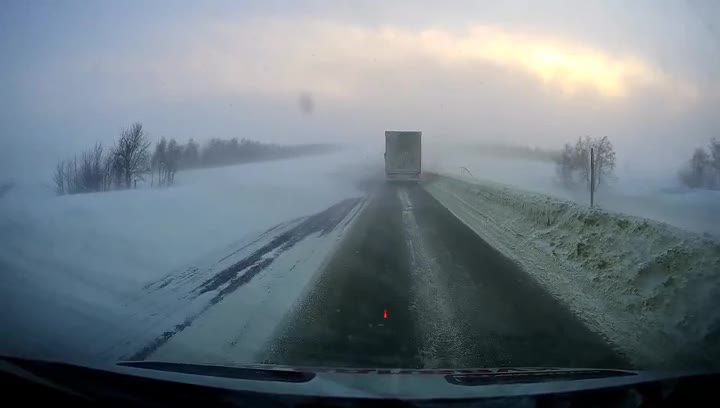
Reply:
x=644, y=73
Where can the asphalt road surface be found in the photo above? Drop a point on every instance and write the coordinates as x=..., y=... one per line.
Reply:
x=412, y=286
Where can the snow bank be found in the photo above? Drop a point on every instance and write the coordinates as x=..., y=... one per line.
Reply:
x=74, y=266
x=649, y=288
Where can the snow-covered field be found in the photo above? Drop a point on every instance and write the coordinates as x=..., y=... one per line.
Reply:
x=649, y=288
x=636, y=191
x=76, y=269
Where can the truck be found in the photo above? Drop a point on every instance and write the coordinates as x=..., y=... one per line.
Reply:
x=403, y=155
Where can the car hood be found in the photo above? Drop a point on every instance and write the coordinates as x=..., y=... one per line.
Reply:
x=400, y=383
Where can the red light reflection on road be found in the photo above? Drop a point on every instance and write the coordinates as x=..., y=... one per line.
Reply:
x=385, y=314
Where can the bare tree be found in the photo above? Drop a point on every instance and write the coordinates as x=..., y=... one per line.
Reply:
x=109, y=170
x=697, y=173
x=703, y=168
x=117, y=174
x=166, y=160
x=566, y=165
x=131, y=154
x=715, y=162
x=604, y=161
x=191, y=154
x=573, y=163
x=71, y=179
x=59, y=178
x=172, y=160
x=157, y=162
x=90, y=177
x=581, y=160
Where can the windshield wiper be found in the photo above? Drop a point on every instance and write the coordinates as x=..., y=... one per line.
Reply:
x=242, y=373
x=519, y=377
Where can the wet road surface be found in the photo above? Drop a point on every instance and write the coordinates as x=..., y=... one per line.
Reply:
x=412, y=286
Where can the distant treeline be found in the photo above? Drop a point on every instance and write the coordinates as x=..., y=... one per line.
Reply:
x=507, y=151
x=170, y=156
x=129, y=160
x=223, y=152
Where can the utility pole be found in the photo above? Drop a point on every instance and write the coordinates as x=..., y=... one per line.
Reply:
x=592, y=177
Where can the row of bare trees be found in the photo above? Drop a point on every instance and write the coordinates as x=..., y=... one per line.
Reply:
x=703, y=168
x=98, y=169
x=573, y=162
x=129, y=160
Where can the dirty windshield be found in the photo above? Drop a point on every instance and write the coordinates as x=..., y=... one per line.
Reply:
x=380, y=184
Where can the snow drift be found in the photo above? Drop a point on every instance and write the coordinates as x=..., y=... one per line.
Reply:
x=74, y=268
x=651, y=289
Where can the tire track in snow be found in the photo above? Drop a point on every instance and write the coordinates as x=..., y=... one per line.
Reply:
x=441, y=343
x=244, y=270
x=240, y=273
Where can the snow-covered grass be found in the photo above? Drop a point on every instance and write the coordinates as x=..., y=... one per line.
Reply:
x=649, y=288
x=73, y=266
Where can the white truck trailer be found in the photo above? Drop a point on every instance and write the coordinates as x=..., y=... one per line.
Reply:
x=403, y=155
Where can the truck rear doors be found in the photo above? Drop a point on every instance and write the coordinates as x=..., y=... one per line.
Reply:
x=403, y=154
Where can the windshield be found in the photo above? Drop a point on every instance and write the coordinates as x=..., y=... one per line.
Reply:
x=388, y=184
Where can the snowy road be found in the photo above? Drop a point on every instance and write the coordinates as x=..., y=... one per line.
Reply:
x=392, y=279
x=295, y=262
x=412, y=286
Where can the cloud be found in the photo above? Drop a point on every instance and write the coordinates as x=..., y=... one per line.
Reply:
x=276, y=56
x=565, y=65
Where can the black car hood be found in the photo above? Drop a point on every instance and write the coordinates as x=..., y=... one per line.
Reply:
x=192, y=381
